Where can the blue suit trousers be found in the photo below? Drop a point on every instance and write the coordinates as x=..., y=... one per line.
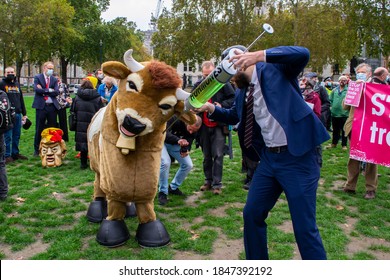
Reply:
x=298, y=178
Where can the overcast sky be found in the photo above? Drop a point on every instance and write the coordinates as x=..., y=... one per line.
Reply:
x=139, y=11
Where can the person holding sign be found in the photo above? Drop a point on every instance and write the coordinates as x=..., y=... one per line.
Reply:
x=339, y=114
x=363, y=74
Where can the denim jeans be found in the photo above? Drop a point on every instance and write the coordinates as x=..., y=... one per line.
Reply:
x=12, y=137
x=3, y=172
x=185, y=167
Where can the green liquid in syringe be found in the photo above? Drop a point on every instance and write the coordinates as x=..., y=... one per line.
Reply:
x=204, y=92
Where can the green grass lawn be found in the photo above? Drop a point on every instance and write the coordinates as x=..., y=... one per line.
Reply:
x=44, y=217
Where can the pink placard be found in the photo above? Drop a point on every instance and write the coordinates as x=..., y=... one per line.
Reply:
x=370, y=139
x=354, y=92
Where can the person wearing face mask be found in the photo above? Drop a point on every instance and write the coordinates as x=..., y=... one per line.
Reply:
x=10, y=85
x=339, y=114
x=100, y=76
x=45, y=102
x=363, y=74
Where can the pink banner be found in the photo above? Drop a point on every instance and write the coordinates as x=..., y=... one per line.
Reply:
x=370, y=140
x=353, y=94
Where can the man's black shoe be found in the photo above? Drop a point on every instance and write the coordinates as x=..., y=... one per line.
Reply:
x=175, y=192
x=162, y=198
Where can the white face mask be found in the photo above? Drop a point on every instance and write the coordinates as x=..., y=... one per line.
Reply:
x=361, y=76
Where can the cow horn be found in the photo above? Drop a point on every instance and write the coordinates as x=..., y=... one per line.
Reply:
x=181, y=94
x=133, y=65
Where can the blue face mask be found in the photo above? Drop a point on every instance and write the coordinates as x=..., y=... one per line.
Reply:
x=361, y=76
x=49, y=72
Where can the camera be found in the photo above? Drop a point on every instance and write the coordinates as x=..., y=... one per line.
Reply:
x=183, y=149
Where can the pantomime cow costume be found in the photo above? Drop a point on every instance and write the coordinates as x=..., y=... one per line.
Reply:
x=125, y=140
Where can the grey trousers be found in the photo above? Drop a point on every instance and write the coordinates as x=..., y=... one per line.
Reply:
x=212, y=141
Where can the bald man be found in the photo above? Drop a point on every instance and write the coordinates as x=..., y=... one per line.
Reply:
x=380, y=75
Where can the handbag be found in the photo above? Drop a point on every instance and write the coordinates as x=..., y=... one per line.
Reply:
x=72, y=121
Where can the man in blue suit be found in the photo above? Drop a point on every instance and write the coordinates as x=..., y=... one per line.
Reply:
x=285, y=134
x=45, y=102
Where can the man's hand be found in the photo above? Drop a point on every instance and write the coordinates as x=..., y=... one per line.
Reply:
x=208, y=107
x=243, y=60
x=182, y=142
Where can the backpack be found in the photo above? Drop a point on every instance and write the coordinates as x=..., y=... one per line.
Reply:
x=7, y=113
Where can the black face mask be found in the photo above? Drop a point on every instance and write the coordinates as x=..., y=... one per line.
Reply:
x=10, y=77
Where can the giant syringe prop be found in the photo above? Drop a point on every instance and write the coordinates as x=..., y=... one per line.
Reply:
x=218, y=77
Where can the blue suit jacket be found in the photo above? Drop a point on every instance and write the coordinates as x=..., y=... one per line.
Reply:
x=280, y=88
x=40, y=93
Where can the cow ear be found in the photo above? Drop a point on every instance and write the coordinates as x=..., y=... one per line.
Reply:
x=115, y=69
x=187, y=117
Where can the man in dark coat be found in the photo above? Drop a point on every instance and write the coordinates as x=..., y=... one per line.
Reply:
x=212, y=136
x=45, y=102
x=10, y=85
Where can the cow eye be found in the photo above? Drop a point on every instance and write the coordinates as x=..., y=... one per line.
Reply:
x=132, y=85
x=165, y=106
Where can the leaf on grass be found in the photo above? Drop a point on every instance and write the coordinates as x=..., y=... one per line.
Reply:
x=339, y=207
x=20, y=199
x=194, y=235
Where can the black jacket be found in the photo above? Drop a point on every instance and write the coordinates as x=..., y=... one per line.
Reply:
x=15, y=95
x=177, y=130
x=86, y=103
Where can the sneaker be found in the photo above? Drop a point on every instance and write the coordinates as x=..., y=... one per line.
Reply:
x=331, y=146
x=349, y=191
x=9, y=160
x=36, y=154
x=20, y=156
x=369, y=195
x=162, y=198
x=344, y=148
x=205, y=187
x=217, y=191
x=175, y=192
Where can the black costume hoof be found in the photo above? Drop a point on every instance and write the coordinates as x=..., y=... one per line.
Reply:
x=131, y=212
x=112, y=233
x=97, y=211
x=152, y=234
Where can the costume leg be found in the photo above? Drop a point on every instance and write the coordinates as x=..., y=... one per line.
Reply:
x=150, y=232
x=262, y=196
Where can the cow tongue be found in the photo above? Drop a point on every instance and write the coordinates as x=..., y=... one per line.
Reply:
x=126, y=132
